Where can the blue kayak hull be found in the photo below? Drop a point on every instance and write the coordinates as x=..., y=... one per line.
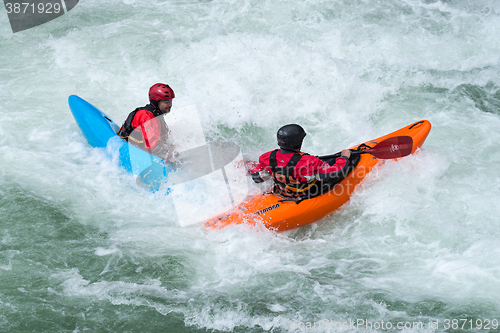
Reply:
x=100, y=132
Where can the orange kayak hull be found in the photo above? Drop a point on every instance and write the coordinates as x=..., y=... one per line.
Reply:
x=273, y=213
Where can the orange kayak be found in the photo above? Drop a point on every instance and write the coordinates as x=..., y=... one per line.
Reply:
x=272, y=212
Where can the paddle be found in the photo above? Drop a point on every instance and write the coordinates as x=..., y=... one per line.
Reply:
x=395, y=147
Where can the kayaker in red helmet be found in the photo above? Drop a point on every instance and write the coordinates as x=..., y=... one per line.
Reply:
x=145, y=128
x=296, y=174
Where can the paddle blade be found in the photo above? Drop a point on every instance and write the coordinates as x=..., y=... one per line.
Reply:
x=395, y=147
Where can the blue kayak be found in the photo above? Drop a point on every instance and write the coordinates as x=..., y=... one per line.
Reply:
x=100, y=131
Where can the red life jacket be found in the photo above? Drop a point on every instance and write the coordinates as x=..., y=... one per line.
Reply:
x=128, y=132
x=287, y=184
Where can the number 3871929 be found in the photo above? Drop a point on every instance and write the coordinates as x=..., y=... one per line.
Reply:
x=484, y=324
x=28, y=7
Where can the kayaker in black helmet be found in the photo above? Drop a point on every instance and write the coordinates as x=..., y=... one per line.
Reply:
x=295, y=173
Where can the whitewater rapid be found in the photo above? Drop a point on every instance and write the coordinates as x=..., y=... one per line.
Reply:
x=83, y=248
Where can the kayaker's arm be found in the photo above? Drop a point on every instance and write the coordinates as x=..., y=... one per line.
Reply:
x=150, y=128
x=261, y=172
x=328, y=172
x=164, y=151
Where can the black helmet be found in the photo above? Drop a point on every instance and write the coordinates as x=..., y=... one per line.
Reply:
x=290, y=137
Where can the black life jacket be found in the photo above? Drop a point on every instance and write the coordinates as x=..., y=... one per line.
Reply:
x=127, y=132
x=285, y=183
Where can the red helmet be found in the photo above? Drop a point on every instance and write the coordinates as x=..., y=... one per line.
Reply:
x=160, y=92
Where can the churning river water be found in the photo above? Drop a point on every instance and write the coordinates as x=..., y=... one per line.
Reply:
x=417, y=248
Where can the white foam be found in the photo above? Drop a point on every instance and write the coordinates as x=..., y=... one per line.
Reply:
x=420, y=231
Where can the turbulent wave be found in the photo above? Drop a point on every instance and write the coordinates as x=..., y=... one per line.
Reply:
x=83, y=248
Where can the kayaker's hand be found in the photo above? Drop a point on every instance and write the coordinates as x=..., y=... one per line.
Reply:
x=346, y=153
x=260, y=177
